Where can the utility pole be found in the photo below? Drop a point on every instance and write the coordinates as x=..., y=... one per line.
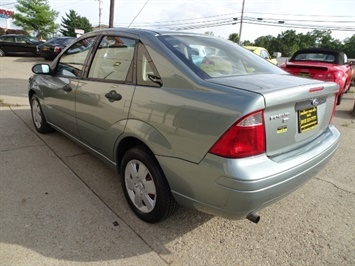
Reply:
x=112, y=13
x=241, y=25
x=100, y=12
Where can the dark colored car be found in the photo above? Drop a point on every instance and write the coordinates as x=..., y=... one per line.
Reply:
x=18, y=43
x=50, y=49
x=224, y=132
x=322, y=64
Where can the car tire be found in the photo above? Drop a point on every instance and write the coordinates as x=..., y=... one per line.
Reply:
x=2, y=52
x=340, y=98
x=145, y=187
x=39, y=121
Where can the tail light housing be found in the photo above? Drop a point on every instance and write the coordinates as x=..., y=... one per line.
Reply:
x=56, y=49
x=244, y=138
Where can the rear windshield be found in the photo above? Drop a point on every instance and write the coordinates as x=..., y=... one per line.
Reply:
x=212, y=57
x=59, y=41
x=319, y=57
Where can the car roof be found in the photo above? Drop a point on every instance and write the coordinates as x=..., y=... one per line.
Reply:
x=141, y=31
x=319, y=50
x=339, y=55
x=14, y=35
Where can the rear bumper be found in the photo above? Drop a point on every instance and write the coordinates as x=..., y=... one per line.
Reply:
x=233, y=188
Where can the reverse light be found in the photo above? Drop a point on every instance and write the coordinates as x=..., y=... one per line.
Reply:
x=245, y=138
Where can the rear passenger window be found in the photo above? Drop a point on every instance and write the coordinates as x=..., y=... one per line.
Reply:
x=8, y=39
x=147, y=74
x=113, y=59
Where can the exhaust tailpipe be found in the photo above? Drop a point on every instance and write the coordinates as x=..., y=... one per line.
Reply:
x=254, y=217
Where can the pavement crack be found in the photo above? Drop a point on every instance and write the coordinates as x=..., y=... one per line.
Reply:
x=23, y=147
x=329, y=182
x=76, y=155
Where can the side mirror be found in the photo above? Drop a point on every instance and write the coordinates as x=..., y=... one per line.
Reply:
x=277, y=54
x=41, y=69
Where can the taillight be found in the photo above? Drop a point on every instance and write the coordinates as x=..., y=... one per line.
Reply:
x=56, y=49
x=243, y=139
x=329, y=77
x=335, y=76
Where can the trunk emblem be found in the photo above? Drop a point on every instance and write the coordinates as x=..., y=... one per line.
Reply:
x=283, y=116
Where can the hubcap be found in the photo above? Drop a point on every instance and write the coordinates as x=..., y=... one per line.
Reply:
x=36, y=114
x=140, y=186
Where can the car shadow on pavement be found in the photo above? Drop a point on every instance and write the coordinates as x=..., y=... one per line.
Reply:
x=345, y=109
x=58, y=225
x=36, y=59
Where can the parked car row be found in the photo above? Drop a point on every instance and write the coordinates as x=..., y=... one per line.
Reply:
x=18, y=44
x=24, y=44
x=218, y=129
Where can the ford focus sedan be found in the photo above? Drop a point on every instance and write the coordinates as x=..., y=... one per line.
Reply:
x=225, y=133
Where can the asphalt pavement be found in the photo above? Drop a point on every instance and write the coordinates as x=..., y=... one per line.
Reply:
x=59, y=205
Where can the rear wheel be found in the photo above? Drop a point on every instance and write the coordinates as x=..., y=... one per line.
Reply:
x=339, y=99
x=145, y=186
x=38, y=118
x=2, y=52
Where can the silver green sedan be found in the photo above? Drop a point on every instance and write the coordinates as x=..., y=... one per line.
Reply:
x=187, y=119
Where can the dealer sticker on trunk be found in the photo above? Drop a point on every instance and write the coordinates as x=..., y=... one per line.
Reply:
x=307, y=119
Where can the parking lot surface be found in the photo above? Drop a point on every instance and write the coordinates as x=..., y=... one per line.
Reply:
x=59, y=205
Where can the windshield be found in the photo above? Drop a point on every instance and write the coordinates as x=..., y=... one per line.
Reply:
x=212, y=57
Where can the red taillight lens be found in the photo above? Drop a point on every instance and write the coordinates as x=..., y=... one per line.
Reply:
x=245, y=138
x=56, y=49
x=330, y=77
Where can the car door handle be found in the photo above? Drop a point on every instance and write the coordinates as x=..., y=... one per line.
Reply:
x=113, y=96
x=67, y=88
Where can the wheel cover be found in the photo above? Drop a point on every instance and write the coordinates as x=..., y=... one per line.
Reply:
x=36, y=114
x=140, y=186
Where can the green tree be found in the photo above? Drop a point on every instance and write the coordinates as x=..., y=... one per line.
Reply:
x=74, y=21
x=247, y=43
x=349, y=47
x=234, y=37
x=37, y=16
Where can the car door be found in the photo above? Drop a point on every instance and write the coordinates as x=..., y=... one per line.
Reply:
x=8, y=44
x=104, y=98
x=23, y=45
x=60, y=89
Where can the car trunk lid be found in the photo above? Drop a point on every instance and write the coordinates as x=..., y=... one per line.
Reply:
x=297, y=110
x=315, y=71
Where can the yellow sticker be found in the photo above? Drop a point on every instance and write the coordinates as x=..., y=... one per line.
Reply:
x=282, y=129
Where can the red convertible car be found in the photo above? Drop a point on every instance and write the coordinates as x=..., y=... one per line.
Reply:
x=322, y=64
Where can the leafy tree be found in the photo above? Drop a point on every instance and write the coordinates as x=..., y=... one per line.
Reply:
x=74, y=21
x=36, y=15
x=247, y=43
x=234, y=37
x=349, y=47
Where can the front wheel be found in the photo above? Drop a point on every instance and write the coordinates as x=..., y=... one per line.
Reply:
x=145, y=186
x=38, y=118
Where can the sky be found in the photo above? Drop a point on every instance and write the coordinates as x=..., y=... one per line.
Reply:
x=260, y=17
